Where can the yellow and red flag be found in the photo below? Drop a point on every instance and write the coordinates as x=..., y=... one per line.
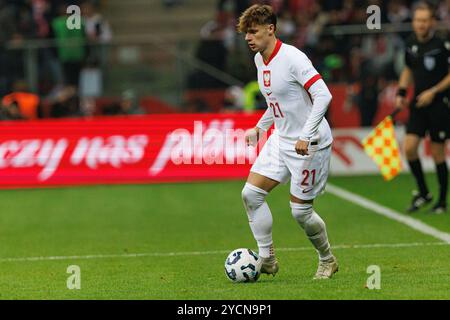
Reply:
x=381, y=145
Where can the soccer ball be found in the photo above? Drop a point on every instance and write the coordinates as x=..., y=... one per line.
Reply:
x=243, y=265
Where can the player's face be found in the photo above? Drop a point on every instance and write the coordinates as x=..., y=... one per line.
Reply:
x=422, y=23
x=258, y=37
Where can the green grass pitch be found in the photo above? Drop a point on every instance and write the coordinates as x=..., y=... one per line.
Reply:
x=170, y=241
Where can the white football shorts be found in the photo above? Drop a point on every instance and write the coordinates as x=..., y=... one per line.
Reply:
x=279, y=161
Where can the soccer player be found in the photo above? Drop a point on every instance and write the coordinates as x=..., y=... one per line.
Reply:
x=427, y=62
x=300, y=146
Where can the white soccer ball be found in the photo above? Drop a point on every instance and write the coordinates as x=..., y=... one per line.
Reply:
x=243, y=265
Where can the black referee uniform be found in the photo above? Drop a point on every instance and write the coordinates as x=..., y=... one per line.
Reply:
x=429, y=63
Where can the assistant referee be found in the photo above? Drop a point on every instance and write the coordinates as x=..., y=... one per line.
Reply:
x=427, y=66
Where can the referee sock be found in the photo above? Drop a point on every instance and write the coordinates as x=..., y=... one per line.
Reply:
x=442, y=173
x=416, y=169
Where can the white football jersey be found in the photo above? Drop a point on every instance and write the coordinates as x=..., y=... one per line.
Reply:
x=287, y=82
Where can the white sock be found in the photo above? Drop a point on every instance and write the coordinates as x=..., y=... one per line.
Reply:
x=314, y=228
x=259, y=217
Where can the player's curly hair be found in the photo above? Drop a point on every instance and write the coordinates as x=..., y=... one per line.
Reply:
x=256, y=15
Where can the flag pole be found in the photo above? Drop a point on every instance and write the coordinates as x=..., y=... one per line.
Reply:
x=395, y=112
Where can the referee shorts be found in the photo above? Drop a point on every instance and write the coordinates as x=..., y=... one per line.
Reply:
x=433, y=119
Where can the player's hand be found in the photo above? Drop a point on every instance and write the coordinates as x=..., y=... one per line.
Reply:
x=301, y=147
x=252, y=136
x=425, y=98
x=400, y=102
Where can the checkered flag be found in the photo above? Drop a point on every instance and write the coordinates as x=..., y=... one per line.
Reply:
x=382, y=147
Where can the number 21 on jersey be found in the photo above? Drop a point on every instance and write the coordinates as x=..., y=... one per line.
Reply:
x=276, y=110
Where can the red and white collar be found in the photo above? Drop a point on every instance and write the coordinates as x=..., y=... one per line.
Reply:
x=274, y=53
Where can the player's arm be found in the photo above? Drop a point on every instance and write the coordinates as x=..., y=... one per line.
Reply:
x=404, y=82
x=305, y=74
x=321, y=98
x=265, y=122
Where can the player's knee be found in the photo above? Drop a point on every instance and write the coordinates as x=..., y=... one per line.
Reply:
x=253, y=197
x=302, y=212
x=307, y=218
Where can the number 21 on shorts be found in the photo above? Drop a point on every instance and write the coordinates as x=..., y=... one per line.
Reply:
x=308, y=176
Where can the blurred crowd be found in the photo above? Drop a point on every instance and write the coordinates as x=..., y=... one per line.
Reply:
x=71, y=70
x=67, y=65
x=341, y=55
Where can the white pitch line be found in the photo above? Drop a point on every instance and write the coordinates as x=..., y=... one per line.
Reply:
x=200, y=253
x=389, y=213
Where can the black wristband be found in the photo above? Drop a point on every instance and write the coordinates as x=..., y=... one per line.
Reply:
x=401, y=92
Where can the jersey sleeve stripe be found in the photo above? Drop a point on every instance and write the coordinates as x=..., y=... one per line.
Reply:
x=311, y=81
